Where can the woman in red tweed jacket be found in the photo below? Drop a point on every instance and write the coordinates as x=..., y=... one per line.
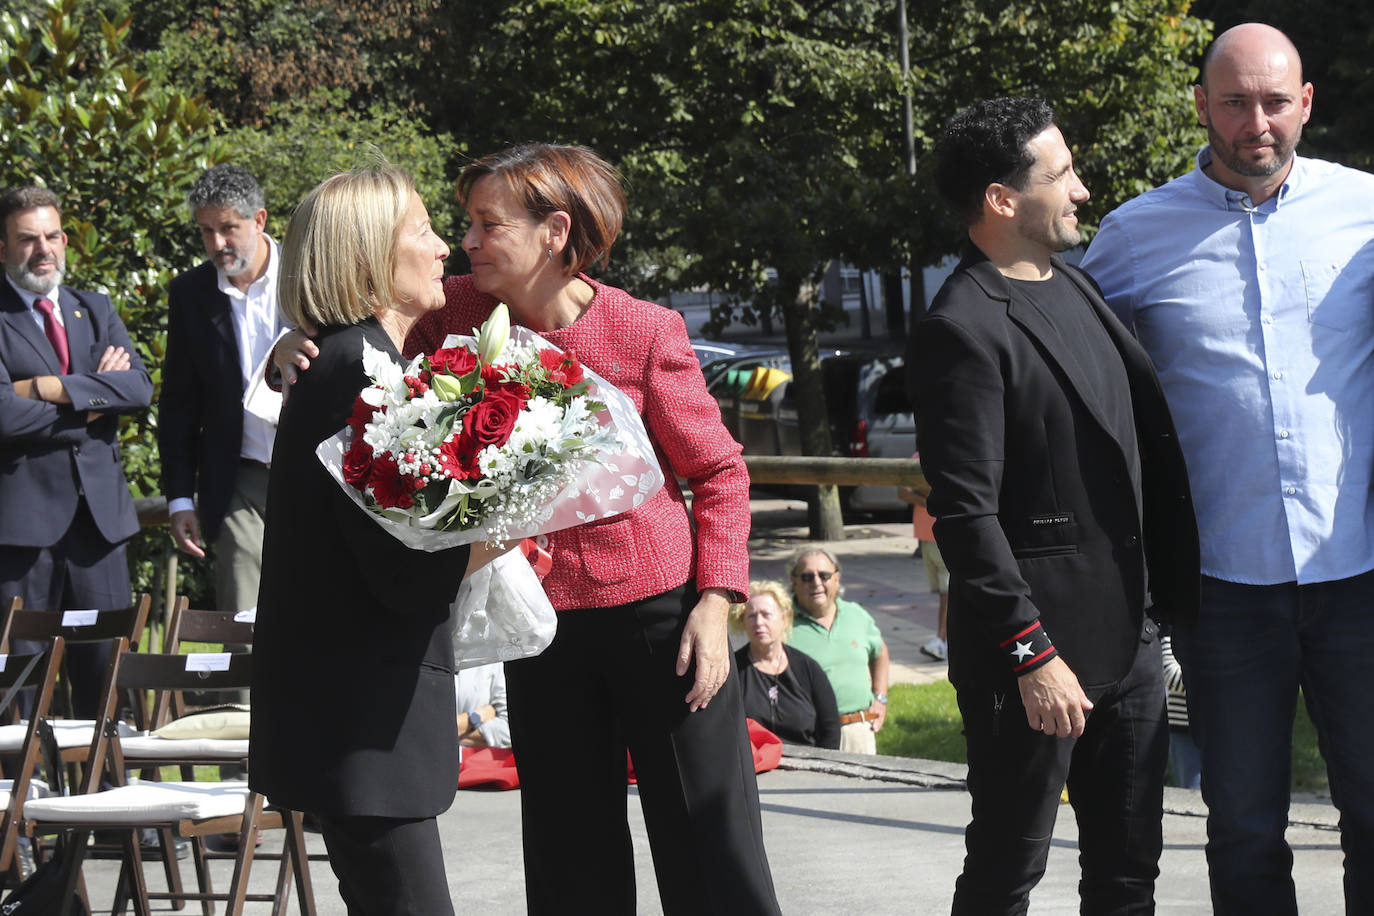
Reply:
x=641, y=660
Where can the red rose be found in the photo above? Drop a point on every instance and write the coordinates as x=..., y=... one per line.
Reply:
x=389, y=488
x=456, y=360
x=490, y=420
x=357, y=467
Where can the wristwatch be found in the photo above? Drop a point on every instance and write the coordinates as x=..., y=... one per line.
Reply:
x=881, y=698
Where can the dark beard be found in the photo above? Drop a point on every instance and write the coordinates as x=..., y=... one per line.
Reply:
x=1283, y=154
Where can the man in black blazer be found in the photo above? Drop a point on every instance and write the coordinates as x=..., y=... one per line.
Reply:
x=1063, y=512
x=216, y=419
x=67, y=369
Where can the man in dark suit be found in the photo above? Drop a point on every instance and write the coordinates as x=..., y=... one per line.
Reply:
x=217, y=420
x=1062, y=510
x=67, y=369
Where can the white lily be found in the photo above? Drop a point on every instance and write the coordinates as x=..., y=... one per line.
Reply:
x=491, y=340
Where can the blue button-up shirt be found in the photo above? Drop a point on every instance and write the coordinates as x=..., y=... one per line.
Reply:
x=1260, y=321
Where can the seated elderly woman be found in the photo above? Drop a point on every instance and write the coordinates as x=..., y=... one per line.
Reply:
x=844, y=639
x=784, y=689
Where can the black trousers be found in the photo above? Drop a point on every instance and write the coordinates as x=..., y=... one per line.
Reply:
x=81, y=571
x=388, y=866
x=607, y=684
x=1115, y=776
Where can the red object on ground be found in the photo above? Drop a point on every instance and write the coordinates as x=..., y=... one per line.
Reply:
x=494, y=767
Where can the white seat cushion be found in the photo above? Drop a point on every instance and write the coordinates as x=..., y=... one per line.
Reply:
x=68, y=732
x=143, y=803
x=153, y=747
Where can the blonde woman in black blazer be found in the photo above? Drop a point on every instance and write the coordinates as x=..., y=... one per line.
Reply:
x=354, y=717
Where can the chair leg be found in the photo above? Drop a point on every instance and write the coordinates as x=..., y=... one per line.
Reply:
x=203, y=879
x=243, y=862
x=170, y=867
x=282, y=896
x=293, y=844
x=138, y=888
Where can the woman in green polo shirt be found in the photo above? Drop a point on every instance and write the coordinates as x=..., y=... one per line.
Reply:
x=843, y=638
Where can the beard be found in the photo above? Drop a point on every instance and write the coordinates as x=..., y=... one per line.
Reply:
x=237, y=262
x=1244, y=164
x=24, y=277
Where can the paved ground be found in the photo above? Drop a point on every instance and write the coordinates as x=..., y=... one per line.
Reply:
x=848, y=834
x=845, y=835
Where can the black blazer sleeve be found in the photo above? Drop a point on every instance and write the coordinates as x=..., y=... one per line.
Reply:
x=958, y=393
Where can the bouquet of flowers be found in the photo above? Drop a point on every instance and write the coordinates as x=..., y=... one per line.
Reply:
x=496, y=437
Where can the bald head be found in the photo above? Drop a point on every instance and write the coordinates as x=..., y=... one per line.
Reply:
x=1249, y=43
x=1253, y=102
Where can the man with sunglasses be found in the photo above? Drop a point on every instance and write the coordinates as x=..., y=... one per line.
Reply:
x=845, y=641
x=1062, y=510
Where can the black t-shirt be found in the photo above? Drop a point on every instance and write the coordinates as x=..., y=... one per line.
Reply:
x=1073, y=316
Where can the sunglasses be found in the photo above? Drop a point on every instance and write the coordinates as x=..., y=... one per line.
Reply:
x=809, y=577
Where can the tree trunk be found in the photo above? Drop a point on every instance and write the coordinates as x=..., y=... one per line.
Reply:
x=797, y=296
x=892, y=304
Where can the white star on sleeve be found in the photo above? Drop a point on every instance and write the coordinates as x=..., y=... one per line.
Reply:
x=1022, y=650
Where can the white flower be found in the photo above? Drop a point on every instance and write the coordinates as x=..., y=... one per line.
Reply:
x=494, y=334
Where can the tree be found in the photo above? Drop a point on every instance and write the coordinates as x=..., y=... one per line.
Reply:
x=305, y=140
x=121, y=151
x=245, y=57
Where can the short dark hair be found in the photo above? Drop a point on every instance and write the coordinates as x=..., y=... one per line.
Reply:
x=227, y=186
x=987, y=143
x=30, y=197
x=546, y=178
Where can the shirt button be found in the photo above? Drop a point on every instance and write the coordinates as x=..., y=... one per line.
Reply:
x=1291, y=490
x=1283, y=434
x=1268, y=319
x=1278, y=374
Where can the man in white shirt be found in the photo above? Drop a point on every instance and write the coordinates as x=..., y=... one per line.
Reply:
x=216, y=422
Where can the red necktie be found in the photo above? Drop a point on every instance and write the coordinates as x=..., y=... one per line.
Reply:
x=57, y=335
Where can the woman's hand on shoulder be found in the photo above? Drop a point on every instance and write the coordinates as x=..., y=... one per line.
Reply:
x=706, y=641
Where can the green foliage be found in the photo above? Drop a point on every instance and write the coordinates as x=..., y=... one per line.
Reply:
x=1119, y=75
x=308, y=139
x=245, y=57
x=923, y=721
x=121, y=151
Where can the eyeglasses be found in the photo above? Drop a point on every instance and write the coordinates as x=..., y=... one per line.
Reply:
x=809, y=577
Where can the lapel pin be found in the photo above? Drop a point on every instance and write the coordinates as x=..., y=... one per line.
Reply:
x=76, y=314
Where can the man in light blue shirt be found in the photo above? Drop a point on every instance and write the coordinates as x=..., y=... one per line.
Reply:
x=1250, y=281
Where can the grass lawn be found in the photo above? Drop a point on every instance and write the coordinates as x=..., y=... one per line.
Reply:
x=923, y=721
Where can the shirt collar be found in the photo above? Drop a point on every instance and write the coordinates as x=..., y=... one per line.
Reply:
x=268, y=280
x=28, y=296
x=1227, y=199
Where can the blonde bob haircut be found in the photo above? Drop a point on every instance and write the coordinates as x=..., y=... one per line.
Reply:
x=775, y=590
x=338, y=260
